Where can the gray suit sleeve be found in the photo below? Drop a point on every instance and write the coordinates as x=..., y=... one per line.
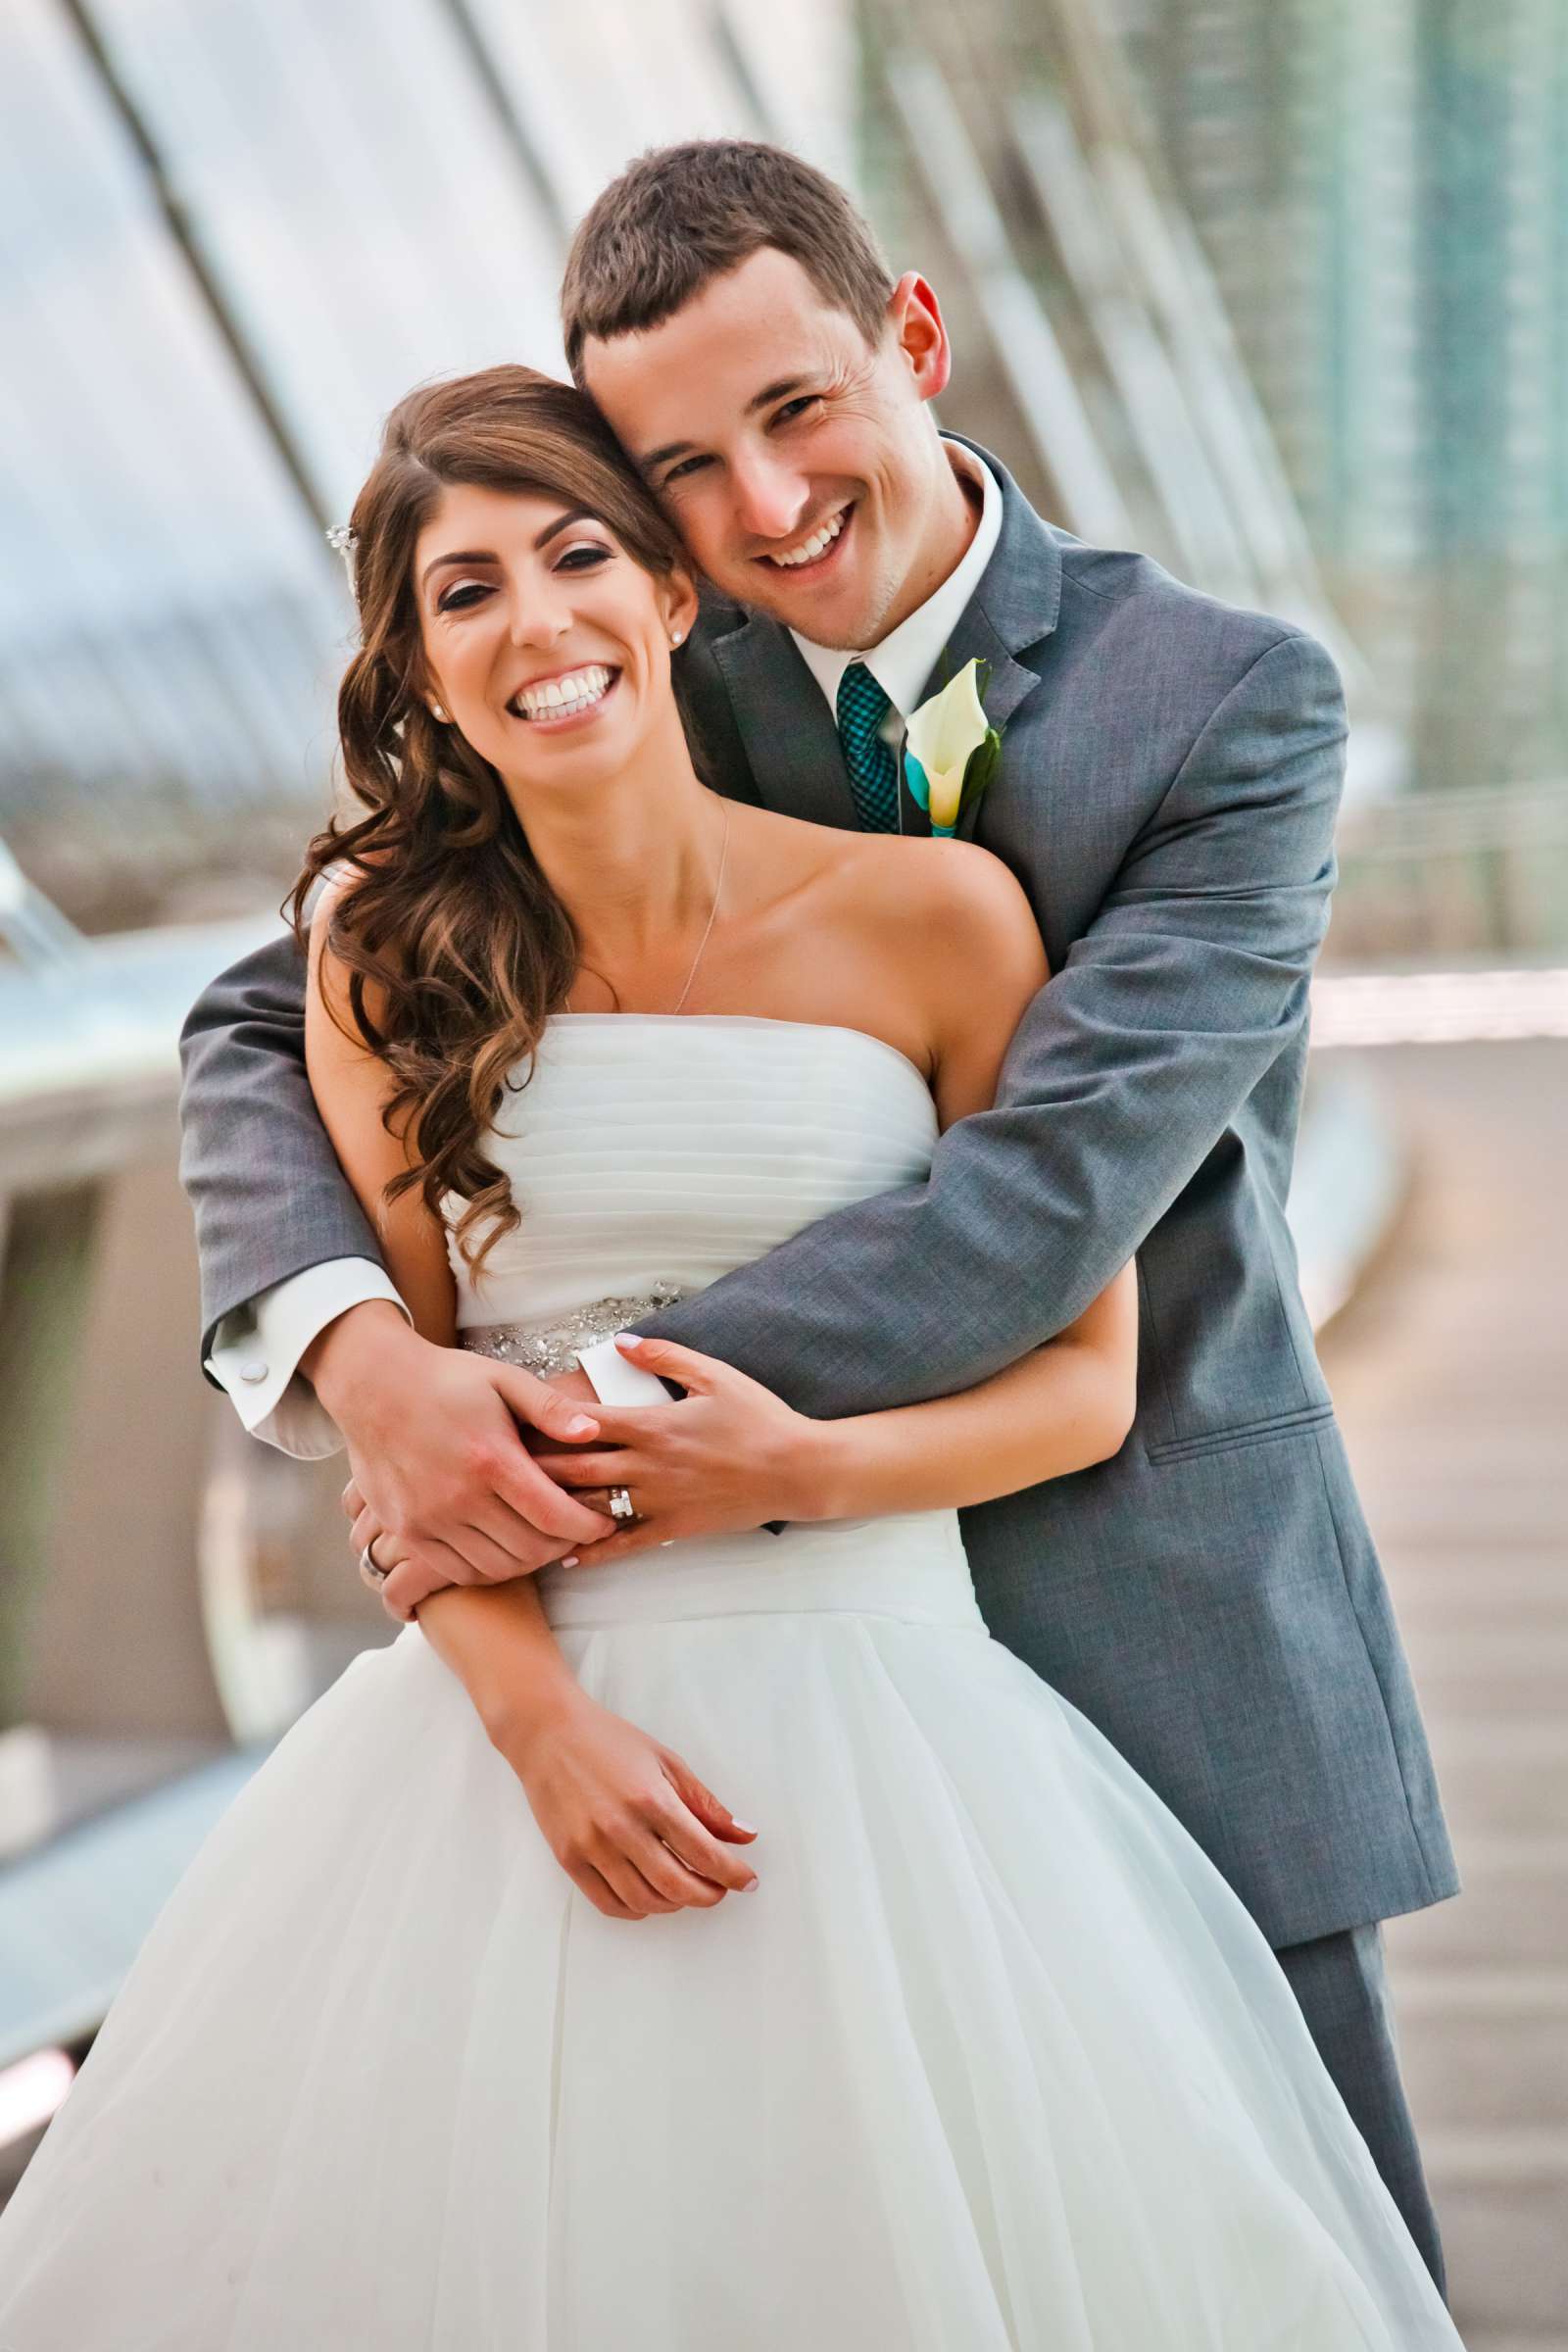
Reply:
x=263, y=1180
x=1123, y=1075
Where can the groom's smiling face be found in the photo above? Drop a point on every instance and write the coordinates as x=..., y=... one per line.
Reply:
x=800, y=463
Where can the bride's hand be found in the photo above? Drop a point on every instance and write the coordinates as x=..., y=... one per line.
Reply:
x=729, y=1456
x=627, y=1820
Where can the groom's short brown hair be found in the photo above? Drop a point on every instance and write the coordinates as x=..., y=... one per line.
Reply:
x=679, y=216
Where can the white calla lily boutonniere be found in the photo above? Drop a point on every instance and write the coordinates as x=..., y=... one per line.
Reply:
x=950, y=750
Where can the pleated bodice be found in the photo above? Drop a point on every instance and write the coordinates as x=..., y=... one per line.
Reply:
x=652, y=1149
x=653, y=1153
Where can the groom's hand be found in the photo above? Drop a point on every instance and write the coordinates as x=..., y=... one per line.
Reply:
x=438, y=1460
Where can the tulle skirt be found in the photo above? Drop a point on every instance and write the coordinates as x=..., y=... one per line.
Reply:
x=992, y=2061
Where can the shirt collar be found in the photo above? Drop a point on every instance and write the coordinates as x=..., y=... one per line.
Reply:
x=907, y=655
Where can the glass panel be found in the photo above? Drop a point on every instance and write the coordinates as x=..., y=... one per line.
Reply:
x=356, y=197
x=149, y=525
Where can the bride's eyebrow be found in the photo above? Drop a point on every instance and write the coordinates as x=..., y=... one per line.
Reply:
x=459, y=555
x=564, y=522
x=487, y=555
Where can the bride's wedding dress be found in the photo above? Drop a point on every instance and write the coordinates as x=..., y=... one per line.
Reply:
x=992, y=2058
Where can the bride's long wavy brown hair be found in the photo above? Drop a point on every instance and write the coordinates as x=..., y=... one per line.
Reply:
x=456, y=950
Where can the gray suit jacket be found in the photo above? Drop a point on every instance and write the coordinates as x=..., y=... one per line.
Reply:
x=1211, y=1598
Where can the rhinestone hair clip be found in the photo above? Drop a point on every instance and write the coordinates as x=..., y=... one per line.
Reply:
x=344, y=541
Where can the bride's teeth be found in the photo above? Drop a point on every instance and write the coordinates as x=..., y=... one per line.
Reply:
x=577, y=692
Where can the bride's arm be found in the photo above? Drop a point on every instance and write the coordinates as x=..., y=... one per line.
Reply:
x=1065, y=1407
x=699, y=1468
x=492, y=1637
x=626, y=1818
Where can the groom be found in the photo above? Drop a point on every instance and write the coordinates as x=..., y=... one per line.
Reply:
x=1170, y=774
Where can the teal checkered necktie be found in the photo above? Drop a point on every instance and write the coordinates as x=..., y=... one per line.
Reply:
x=873, y=776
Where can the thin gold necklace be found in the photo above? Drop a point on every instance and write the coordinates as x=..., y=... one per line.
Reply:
x=712, y=917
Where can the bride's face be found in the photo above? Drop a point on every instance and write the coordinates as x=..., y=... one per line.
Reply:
x=546, y=644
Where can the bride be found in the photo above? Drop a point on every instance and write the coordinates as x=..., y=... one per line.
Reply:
x=964, y=2043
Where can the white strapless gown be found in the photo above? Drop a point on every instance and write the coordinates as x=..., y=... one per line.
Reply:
x=992, y=2059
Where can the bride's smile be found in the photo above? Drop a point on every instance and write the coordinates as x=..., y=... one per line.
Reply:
x=565, y=696
x=545, y=643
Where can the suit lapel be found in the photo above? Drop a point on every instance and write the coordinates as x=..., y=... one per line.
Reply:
x=1013, y=611
x=790, y=735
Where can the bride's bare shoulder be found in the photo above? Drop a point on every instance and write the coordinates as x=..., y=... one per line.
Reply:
x=955, y=890
x=944, y=926
x=939, y=904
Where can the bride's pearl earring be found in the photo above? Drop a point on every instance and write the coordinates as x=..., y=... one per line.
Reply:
x=439, y=716
x=679, y=637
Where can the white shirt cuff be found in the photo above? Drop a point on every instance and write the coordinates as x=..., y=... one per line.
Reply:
x=257, y=1349
x=614, y=1381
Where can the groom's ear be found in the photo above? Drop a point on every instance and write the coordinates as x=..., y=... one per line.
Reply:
x=915, y=316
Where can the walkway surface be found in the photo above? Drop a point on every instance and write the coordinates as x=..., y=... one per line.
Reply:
x=1450, y=1371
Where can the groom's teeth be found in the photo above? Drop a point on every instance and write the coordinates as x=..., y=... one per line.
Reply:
x=809, y=549
x=577, y=691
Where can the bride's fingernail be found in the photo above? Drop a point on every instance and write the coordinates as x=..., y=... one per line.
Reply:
x=747, y=1828
x=580, y=1426
x=573, y=1561
x=628, y=1338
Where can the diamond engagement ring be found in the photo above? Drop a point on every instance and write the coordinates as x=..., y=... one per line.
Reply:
x=620, y=1504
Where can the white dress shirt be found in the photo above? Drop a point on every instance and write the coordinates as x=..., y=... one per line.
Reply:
x=256, y=1349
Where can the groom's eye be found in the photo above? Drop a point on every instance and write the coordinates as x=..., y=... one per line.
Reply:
x=796, y=408
x=686, y=465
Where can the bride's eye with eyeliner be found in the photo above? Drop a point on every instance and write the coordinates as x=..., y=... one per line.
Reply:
x=591, y=549
x=458, y=599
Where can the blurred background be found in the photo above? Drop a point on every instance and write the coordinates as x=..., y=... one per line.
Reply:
x=1276, y=290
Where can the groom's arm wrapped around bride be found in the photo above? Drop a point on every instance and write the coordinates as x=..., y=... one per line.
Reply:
x=1182, y=994
x=1184, y=989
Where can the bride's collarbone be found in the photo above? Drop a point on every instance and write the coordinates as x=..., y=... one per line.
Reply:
x=812, y=936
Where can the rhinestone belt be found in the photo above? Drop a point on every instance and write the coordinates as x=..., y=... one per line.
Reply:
x=546, y=1348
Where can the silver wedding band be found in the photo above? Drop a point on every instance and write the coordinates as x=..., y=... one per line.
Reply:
x=370, y=1567
x=620, y=1504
